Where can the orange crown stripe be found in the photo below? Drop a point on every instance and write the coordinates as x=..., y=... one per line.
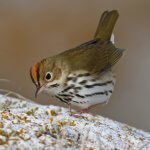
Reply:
x=34, y=73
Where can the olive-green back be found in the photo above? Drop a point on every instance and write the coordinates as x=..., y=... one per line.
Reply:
x=95, y=58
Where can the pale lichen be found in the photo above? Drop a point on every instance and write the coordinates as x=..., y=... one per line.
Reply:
x=25, y=125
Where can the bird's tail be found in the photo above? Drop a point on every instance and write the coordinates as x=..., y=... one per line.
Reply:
x=106, y=25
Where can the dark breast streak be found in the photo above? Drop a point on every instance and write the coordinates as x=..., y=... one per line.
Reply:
x=61, y=99
x=99, y=84
x=67, y=96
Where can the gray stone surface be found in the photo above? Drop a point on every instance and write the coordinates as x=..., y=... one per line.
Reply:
x=26, y=125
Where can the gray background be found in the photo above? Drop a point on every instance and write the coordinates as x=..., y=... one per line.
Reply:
x=32, y=30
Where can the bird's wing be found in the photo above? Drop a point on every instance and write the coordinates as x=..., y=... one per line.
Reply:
x=94, y=56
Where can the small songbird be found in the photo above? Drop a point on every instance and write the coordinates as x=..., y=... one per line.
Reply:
x=81, y=76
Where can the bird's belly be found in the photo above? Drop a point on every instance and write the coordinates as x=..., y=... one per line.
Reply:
x=93, y=91
x=93, y=96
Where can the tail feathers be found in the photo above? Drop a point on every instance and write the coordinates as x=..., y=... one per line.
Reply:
x=106, y=25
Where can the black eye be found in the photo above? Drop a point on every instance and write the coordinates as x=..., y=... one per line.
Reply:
x=48, y=76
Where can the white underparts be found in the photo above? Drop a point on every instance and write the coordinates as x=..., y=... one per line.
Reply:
x=84, y=90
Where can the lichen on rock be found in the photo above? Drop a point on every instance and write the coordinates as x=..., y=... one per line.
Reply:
x=26, y=125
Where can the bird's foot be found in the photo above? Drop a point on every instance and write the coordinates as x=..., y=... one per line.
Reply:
x=71, y=113
x=77, y=115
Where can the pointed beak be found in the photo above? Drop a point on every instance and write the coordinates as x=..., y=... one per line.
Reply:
x=38, y=91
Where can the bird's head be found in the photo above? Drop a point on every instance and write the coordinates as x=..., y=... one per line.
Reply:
x=46, y=75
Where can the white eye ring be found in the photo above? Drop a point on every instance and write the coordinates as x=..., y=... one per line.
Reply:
x=48, y=76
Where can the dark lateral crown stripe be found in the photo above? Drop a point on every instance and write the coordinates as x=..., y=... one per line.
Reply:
x=99, y=84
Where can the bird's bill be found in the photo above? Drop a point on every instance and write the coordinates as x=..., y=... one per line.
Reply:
x=39, y=89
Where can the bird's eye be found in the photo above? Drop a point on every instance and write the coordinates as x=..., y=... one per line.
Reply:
x=48, y=76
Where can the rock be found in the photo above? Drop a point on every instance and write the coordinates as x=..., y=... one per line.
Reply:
x=25, y=125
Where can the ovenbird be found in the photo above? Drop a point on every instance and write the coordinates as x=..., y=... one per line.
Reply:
x=81, y=76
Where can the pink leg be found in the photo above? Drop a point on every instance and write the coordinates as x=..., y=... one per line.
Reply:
x=70, y=112
x=73, y=113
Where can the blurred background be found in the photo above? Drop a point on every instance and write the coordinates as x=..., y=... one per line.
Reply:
x=35, y=29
